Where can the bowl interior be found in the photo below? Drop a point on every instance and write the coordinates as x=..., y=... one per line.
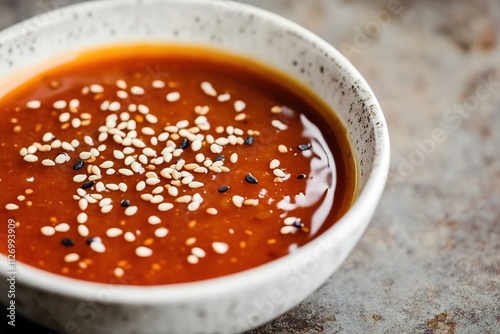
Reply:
x=231, y=27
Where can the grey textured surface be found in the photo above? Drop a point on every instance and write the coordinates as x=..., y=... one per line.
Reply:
x=430, y=260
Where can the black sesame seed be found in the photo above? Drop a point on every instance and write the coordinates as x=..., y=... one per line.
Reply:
x=79, y=164
x=301, y=176
x=304, y=147
x=91, y=240
x=125, y=203
x=184, y=144
x=220, y=158
x=249, y=140
x=88, y=185
x=223, y=189
x=298, y=224
x=251, y=179
x=67, y=242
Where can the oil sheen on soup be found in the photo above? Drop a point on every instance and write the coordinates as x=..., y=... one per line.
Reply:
x=147, y=165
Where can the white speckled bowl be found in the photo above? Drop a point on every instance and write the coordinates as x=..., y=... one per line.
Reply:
x=237, y=302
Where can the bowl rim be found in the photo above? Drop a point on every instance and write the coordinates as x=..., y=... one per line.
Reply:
x=366, y=200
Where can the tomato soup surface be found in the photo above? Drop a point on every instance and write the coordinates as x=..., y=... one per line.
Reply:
x=148, y=165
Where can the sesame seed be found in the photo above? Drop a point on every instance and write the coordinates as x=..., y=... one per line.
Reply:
x=61, y=104
x=131, y=210
x=220, y=247
x=35, y=104
x=114, y=232
x=83, y=230
x=279, y=125
x=125, y=172
x=11, y=207
x=239, y=105
x=279, y=173
x=142, y=251
x=48, y=231
x=146, y=197
x=63, y=227
x=161, y=232
x=88, y=185
x=121, y=84
x=79, y=178
x=212, y=211
x=240, y=117
x=67, y=242
x=83, y=204
x=238, y=201
x=154, y=220
x=121, y=94
x=74, y=104
x=174, y=96
x=64, y=117
x=30, y=158
x=224, y=97
x=287, y=230
x=276, y=109
x=304, y=147
x=192, y=259
x=48, y=163
x=193, y=206
x=249, y=140
x=282, y=149
x=136, y=90
x=165, y=207
x=198, y=252
x=72, y=257
x=129, y=236
x=158, y=84
x=118, y=272
x=96, y=89
x=251, y=179
x=208, y=89
x=82, y=218
x=97, y=247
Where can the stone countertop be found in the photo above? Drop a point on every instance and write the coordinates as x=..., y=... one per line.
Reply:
x=430, y=260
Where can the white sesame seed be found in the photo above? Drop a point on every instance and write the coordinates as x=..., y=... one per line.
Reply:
x=82, y=218
x=61, y=158
x=48, y=231
x=287, y=229
x=63, y=227
x=125, y=172
x=102, y=136
x=104, y=106
x=192, y=259
x=161, y=232
x=96, y=89
x=136, y=90
x=83, y=230
x=61, y=104
x=282, y=149
x=104, y=202
x=32, y=149
x=239, y=105
x=118, y=272
x=79, y=178
x=47, y=137
x=30, y=158
x=195, y=185
x=142, y=251
x=251, y=202
x=165, y=207
x=48, y=163
x=208, y=88
x=193, y=206
x=72, y=257
x=154, y=220
x=275, y=163
x=138, y=143
x=212, y=211
x=129, y=236
x=279, y=125
x=224, y=97
x=83, y=204
x=290, y=220
x=140, y=186
x=97, y=247
x=156, y=199
x=222, y=141
x=121, y=84
x=131, y=210
x=234, y=158
x=198, y=252
x=174, y=96
x=158, y=84
x=81, y=192
x=279, y=173
x=220, y=247
x=240, y=117
x=123, y=187
x=35, y=104
x=121, y=94
x=74, y=104
x=114, y=232
x=238, y=201
x=216, y=149
x=64, y=117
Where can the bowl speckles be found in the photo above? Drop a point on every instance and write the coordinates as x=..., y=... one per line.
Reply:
x=237, y=302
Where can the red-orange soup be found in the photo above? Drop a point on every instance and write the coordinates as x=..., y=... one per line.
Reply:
x=154, y=165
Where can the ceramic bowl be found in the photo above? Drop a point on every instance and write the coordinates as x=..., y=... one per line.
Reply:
x=237, y=302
